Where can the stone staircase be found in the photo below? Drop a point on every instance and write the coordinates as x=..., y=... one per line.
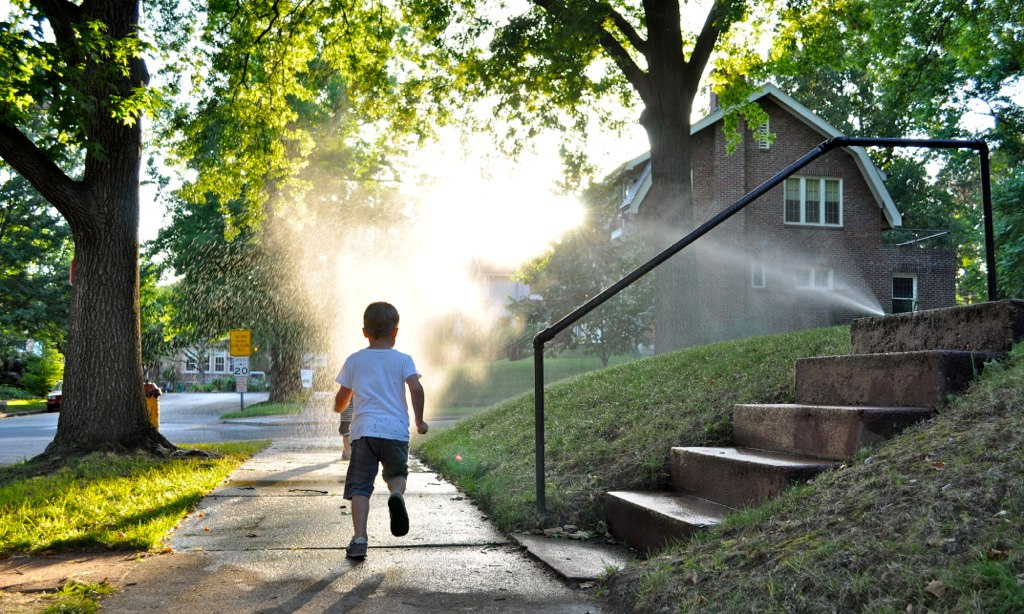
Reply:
x=903, y=369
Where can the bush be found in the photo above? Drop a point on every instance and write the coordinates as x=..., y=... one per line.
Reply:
x=224, y=384
x=10, y=393
x=42, y=372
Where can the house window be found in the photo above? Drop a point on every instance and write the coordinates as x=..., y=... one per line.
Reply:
x=763, y=136
x=814, y=278
x=904, y=293
x=219, y=363
x=814, y=201
x=190, y=365
x=758, y=278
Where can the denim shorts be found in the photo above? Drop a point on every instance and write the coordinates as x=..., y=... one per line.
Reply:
x=369, y=453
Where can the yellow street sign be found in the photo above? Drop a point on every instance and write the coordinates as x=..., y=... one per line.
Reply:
x=240, y=342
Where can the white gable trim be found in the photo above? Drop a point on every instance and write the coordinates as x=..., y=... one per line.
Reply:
x=867, y=168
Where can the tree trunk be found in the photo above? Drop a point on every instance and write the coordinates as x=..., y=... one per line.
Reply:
x=103, y=405
x=285, y=379
x=667, y=213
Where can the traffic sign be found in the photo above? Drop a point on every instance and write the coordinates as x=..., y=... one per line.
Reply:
x=240, y=366
x=240, y=342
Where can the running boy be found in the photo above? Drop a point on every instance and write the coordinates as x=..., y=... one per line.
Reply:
x=374, y=380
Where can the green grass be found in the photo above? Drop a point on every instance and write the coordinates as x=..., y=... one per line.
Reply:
x=106, y=500
x=482, y=384
x=16, y=406
x=612, y=429
x=76, y=597
x=265, y=409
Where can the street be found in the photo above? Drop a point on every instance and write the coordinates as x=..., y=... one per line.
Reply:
x=185, y=418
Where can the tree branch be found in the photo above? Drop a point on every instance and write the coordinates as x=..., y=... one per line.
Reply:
x=69, y=197
x=60, y=14
x=627, y=30
x=637, y=77
x=706, y=41
x=618, y=53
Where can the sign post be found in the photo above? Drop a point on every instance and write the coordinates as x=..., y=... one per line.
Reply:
x=240, y=347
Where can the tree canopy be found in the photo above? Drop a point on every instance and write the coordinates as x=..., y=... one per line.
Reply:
x=939, y=69
x=34, y=266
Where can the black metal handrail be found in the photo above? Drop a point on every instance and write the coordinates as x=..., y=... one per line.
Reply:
x=840, y=141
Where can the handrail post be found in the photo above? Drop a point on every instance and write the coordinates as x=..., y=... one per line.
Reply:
x=538, y=427
x=986, y=202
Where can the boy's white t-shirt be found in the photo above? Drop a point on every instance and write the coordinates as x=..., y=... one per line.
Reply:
x=377, y=380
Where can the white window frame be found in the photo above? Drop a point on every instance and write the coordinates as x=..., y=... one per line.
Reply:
x=801, y=219
x=763, y=136
x=223, y=358
x=758, y=276
x=914, y=291
x=814, y=278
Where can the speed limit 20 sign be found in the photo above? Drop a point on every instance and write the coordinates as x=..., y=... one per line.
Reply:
x=240, y=365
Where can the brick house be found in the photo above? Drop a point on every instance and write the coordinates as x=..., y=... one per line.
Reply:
x=811, y=252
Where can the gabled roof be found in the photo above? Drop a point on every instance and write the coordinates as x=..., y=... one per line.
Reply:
x=867, y=168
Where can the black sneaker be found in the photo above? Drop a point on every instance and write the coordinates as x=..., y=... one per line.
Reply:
x=399, y=517
x=356, y=548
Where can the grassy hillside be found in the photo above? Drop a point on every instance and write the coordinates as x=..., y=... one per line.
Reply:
x=932, y=521
x=612, y=429
x=483, y=384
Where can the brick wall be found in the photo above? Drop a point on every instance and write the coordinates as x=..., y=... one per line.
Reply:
x=862, y=268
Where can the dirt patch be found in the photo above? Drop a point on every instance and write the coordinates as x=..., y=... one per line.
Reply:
x=26, y=580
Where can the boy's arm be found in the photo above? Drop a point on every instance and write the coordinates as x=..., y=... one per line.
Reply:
x=342, y=399
x=416, y=392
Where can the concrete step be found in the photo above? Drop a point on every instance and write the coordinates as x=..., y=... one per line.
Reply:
x=992, y=327
x=823, y=431
x=739, y=477
x=651, y=520
x=903, y=379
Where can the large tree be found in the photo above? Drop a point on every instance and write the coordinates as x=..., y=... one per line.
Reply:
x=556, y=62
x=72, y=78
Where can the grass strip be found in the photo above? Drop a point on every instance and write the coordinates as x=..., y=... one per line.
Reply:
x=106, y=500
x=265, y=409
x=17, y=406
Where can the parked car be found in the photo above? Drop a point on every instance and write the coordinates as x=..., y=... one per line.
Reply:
x=53, y=397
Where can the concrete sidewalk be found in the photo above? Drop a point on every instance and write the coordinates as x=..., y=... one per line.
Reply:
x=272, y=539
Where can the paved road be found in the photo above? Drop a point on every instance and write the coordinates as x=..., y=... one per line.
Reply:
x=184, y=418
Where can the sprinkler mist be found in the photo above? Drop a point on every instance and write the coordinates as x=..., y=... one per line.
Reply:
x=436, y=247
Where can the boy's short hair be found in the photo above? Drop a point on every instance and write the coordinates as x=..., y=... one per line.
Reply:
x=380, y=319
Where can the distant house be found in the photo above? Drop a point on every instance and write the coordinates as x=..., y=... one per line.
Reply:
x=201, y=364
x=498, y=286
x=808, y=253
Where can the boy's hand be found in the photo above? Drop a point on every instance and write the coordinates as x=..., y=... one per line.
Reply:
x=421, y=427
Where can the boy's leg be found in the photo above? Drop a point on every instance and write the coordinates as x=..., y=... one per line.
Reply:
x=394, y=457
x=360, y=513
x=396, y=484
x=362, y=471
x=346, y=438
